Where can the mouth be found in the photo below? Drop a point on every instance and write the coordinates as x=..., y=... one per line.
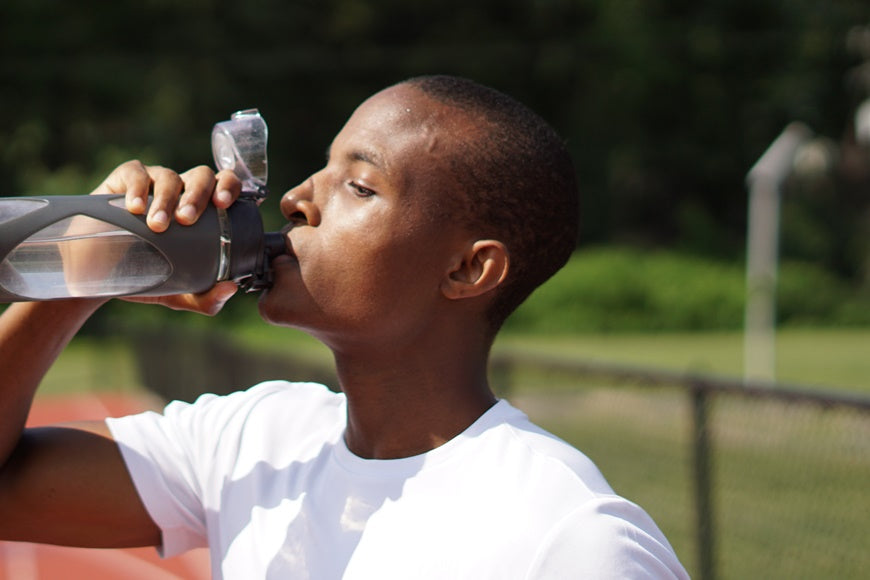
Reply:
x=283, y=248
x=278, y=247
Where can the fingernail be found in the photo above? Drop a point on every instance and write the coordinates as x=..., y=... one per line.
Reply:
x=160, y=217
x=136, y=205
x=224, y=196
x=187, y=213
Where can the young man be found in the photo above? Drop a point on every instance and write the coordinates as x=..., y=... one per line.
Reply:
x=443, y=204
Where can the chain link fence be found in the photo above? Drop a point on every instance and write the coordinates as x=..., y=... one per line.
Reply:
x=747, y=481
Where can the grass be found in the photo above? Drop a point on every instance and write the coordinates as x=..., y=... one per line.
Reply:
x=789, y=482
x=835, y=358
x=792, y=491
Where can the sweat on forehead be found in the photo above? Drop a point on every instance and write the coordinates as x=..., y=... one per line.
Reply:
x=407, y=106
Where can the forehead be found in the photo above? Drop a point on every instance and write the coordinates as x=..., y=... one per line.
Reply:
x=397, y=110
x=400, y=126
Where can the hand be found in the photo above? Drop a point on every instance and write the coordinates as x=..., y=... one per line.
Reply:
x=185, y=196
x=209, y=302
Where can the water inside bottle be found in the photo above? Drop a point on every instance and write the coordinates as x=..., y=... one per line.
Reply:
x=82, y=256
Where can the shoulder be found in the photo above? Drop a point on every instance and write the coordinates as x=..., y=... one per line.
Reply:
x=608, y=537
x=532, y=450
x=223, y=422
x=583, y=525
x=272, y=397
x=300, y=393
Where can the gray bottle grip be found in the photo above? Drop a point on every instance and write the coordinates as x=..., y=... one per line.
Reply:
x=192, y=251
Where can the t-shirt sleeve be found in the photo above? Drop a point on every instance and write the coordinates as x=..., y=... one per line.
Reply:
x=176, y=460
x=606, y=538
x=163, y=466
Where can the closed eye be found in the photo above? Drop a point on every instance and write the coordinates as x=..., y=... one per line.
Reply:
x=362, y=191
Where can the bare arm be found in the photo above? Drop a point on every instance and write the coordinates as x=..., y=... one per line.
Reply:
x=68, y=484
x=58, y=484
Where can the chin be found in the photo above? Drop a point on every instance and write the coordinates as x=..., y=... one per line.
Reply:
x=266, y=308
x=273, y=309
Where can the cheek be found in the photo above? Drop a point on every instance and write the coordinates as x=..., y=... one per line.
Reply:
x=364, y=266
x=372, y=279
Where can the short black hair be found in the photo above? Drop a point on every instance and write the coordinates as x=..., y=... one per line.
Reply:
x=519, y=184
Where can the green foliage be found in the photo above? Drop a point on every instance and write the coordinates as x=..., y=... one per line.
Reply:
x=809, y=295
x=617, y=290
x=609, y=289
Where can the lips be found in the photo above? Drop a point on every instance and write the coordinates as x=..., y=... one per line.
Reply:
x=289, y=253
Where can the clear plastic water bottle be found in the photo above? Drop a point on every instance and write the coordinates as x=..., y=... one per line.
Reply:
x=57, y=247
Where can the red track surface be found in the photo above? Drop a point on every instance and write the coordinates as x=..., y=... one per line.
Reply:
x=22, y=561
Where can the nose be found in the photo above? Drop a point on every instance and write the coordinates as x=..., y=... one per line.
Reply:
x=298, y=207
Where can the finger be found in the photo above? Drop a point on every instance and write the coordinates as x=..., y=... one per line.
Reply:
x=209, y=302
x=132, y=180
x=166, y=188
x=212, y=301
x=227, y=189
x=199, y=185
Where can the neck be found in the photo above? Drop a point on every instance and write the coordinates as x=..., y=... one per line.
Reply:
x=403, y=402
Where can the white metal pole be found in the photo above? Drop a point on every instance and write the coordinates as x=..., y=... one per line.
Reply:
x=762, y=252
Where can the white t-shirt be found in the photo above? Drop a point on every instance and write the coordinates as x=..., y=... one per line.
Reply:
x=265, y=480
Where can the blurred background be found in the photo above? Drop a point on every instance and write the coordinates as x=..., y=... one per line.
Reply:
x=665, y=107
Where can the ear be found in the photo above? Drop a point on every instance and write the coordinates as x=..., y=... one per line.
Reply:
x=480, y=268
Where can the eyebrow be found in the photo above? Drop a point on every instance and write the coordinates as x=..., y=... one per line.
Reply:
x=368, y=156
